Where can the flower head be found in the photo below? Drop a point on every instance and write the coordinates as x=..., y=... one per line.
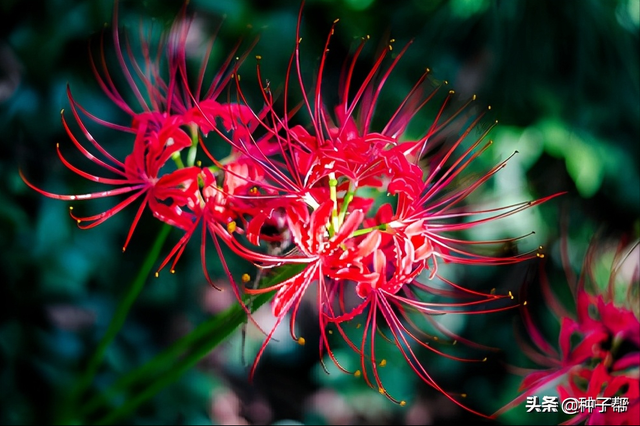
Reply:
x=166, y=122
x=367, y=224
x=599, y=344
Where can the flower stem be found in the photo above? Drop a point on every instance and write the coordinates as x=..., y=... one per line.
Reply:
x=143, y=383
x=211, y=336
x=381, y=227
x=119, y=317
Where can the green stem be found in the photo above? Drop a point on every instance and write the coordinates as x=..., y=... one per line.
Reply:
x=382, y=227
x=230, y=320
x=166, y=367
x=119, y=316
x=159, y=362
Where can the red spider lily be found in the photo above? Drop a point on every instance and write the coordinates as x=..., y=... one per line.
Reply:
x=338, y=158
x=608, y=391
x=167, y=90
x=605, y=363
x=392, y=296
x=139, y=174
x=238, y=205
x=309, y=234
x=348, y=147
x=315, y=180
x=168, y=109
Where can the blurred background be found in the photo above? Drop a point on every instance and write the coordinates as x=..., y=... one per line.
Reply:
x=562, y=78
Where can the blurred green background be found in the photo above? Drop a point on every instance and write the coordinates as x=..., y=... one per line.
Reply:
x=562, y=77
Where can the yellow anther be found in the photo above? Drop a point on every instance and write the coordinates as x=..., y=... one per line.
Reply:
x=464, y=395
x=381, y=390
x=336, y=20
x=484, y=359
x=301, y=341
x=403, y=403
x=524, y=303
x=330, y=331
x=435, y=338
x=383, y=363
x=157, y=275
x=451, y=92
x=474, y=97
x=231, y=227
x=357, y=373
x=359, y=325
x=258, y=57
x=246, y=278
x=173, y=271
x=510, y=295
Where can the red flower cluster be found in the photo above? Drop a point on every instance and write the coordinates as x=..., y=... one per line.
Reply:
x=599, y=358
x=349, y=200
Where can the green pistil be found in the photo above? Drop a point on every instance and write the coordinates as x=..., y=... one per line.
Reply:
x=193, y=149
x=381, y=227
x=345, y=203
x=335, y=225
x=177, y=159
